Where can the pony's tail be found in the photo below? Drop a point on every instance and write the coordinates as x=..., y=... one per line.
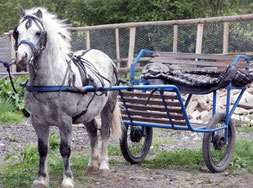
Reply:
x=117, y=122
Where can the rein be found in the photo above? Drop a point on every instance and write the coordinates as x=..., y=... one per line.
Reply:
x=7, y=66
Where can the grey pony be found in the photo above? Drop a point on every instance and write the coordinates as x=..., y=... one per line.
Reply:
x=46, y=55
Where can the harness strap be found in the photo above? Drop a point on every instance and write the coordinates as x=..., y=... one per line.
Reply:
x=32, y=46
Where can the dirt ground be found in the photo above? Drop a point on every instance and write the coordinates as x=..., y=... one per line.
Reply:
x=124, y=174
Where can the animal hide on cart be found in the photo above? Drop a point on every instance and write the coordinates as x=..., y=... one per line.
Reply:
x=199, y=81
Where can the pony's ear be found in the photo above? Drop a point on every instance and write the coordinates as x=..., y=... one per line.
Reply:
x=22, y=13
x=39, y=13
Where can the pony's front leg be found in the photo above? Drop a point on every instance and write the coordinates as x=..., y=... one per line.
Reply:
x=42, y=131
x=65, y=150
x=94, y=160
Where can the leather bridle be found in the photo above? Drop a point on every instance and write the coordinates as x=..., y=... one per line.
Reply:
x=42, y=36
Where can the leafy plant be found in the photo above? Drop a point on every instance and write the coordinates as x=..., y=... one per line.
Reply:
x=29, y=154
x=54, y=141
x=12, y=138
x=6, y=92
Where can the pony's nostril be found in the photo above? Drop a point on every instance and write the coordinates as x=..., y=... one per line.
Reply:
x=24, y=57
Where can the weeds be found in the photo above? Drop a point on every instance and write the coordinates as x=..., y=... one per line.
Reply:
x=8, y=113
x=6, y=91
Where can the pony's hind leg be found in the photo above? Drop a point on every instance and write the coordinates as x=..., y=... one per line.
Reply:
x=94, y=160
x=65, y=150
x=106, y=117
x=42, y=131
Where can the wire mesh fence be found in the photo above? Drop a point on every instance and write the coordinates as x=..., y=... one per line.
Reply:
x=160, y=38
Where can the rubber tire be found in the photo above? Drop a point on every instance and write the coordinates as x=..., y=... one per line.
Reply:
x=145, y=148
x=211, y=165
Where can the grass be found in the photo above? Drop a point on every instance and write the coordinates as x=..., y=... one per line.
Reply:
x=9, y=114
x=245, y=129
x=192, y=160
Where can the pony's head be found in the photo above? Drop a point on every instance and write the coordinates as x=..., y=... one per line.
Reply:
x=37, y=29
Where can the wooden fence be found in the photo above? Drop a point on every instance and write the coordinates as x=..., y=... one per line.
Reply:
x=201, y=22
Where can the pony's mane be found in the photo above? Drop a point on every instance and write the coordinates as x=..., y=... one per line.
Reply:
x=57, y=30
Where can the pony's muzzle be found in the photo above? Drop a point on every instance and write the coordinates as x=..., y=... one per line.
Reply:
x=21, y=58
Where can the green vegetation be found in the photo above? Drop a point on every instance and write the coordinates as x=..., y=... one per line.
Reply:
x=191, y=160
x=7, y=93
x=12, y=106
x=8, y=113
x=94, y=12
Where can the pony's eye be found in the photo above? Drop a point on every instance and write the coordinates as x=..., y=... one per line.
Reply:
x=38, y=34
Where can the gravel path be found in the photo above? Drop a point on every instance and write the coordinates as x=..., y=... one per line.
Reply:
x=15, y=137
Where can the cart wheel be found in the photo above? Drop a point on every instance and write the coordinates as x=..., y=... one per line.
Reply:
x=134, y=145
x=217, y=154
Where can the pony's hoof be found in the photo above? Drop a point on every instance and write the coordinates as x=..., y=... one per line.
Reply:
x=67, y=183
x=40, y=182
x=91, y=170
x=104, y=172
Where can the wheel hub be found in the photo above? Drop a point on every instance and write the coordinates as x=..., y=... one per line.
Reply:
x=136, y=134
x=218, y=142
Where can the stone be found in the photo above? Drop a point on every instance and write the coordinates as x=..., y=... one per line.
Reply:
x=237, y=117
x=192, y=106
x=194, y=115
x=240, y=111
x=205, y=116
x=250, y=90
x=203, y=105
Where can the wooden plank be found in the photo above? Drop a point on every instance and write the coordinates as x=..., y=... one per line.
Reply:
x=146, y=95
x=175, y=38
x=150, y=102
x=117, y=46
x=13, y=54
x=199, y=39
x=87, y=33
x=193, y=56
x=200, y=63
x=225, y=37
x=153, y=108
x=150, y=120
x=153, y=114
x=132, y=32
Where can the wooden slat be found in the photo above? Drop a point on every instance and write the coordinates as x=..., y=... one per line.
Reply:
x=199, y=38
x=225, y=37
x=150, y=120
x=150, y=102
x=146, y=95
x=200, y=63
x=153, y=108
x=154, y=114
x=193, y=56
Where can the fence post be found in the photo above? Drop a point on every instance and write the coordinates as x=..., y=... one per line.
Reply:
x=132, y=32
x=117, y=46
x=225, y=37
x=199, y=39
x=175, y=38
x=87, y=39
x=13, y=53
